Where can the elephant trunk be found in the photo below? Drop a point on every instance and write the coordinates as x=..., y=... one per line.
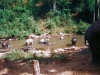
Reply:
x=86, y=41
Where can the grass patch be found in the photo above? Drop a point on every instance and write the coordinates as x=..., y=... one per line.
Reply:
x=20, y=55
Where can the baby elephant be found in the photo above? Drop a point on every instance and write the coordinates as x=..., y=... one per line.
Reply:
x=74, y=40
x=29, y=42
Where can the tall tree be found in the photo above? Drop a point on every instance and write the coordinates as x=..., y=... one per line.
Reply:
x=96, y=13
x=54, y=6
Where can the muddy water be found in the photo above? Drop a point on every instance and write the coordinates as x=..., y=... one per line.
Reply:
x=57, y=43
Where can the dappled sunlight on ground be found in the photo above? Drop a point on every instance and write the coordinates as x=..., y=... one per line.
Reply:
x=77, y=63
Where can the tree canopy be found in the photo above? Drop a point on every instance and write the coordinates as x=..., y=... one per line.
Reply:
x=18, y=14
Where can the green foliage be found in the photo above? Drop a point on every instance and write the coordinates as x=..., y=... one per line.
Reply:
x=79, y=6
x=57, y=20
x=64, y=5
x=59, y=57
x=49, y=14
x=35, y=29
x=52, y=58
x=11, y=24
x=77, y=28
x=2, y=34
x=82, y=27
x=90, y=4
x=19, y=9
x=18, y=55
x=15, y=16
x=6, y=15
x=23, y=34
x=6, y=4
x=50, y=24
x=83, y=9
x=66, y=31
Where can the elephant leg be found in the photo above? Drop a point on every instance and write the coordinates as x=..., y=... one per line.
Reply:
x=95, y=49
x=95, y=58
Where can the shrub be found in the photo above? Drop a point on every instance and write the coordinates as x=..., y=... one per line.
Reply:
x=18, y=55
x=50, y=24
x=82, y=27
x=2, y=34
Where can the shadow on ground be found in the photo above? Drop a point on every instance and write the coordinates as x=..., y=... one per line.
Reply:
x=78, y=63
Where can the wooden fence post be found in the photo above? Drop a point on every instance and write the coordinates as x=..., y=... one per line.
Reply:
x=36, y=68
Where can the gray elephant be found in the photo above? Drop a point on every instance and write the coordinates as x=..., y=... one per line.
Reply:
x=92, y=36
x=73, y=40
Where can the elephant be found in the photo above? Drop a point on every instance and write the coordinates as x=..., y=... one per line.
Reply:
x=44, y=41
x=73, y=40
x=92, y=36
x=29, y=42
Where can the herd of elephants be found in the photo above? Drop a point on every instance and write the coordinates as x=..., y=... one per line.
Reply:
x=92, y=37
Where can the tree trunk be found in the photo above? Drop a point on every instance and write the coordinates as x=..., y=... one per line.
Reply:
x=96, y=14
x=5, y=63
x=54, y=6
x=36, y=68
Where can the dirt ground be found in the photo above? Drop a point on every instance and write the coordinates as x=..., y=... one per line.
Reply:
x=76, y=63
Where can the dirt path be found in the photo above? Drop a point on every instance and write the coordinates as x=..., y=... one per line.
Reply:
x=76, y=63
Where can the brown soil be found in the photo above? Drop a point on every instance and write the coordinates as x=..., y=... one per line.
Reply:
x=76, y=63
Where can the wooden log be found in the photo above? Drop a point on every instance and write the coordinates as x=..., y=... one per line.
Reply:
x=36, y=68
x=5, y=63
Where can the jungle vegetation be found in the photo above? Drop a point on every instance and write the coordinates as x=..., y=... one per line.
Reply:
x=20, y=18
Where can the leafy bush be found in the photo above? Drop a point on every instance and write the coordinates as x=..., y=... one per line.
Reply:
x=18, y=55
x=36, y=29
x=23, y=34
x=82, y=27
x=2, y=34
x=5, y=16
x=15, y=16
x=57, y=21
x=50, y=24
